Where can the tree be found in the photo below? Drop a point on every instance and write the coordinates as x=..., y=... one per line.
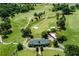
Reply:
x=57, y=16
x=44, y=34
x=63, y=16
x=10, y=9
x=6, y=20
x=61, y=38
x=35, y=14
x=58, y=6
x=71, y=50
x=66, y=10
x=38, y=15
x=37, y=49
x=77, y=6
x=5, y=28
x=41, y=48
x=26, y=32
x=55, y=44
x=53, y=30
x=4, y=14
x=72, y=8
x=19, y=47
x=61, y=24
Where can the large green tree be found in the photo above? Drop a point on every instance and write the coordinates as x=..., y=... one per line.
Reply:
x=71, y=50
x=5, y=28
x=19, y=47
x=26, y=32
x=44, y=34
x=61, y=24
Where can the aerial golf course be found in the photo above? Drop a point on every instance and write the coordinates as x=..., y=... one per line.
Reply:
x=37, y=25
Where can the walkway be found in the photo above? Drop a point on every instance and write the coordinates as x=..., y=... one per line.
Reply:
x=39, y=52
x=28, y=22
x=1, y=39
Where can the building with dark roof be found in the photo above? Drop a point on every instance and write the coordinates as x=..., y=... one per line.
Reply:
x=38, y=42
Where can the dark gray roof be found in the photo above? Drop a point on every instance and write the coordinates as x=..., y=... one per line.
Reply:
x=39, y=41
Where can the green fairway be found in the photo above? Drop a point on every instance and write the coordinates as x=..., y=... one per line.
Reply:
x=72, y=31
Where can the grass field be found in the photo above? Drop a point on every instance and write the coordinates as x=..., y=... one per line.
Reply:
x=7, y=50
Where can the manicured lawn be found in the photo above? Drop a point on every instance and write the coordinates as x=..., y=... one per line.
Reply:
x=7, y=50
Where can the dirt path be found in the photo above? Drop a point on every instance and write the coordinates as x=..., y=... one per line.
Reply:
x=61, y=46
x=39, y=52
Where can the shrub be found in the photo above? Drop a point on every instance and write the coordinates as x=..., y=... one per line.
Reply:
x=53, y=30
x=44, y=34
x=26, y=32
x=72, y=8
x=19, y=47
x=66, y=10
x=62, y=38
x=55, y=44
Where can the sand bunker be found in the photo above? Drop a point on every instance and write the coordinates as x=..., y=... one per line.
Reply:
x=35, y=27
